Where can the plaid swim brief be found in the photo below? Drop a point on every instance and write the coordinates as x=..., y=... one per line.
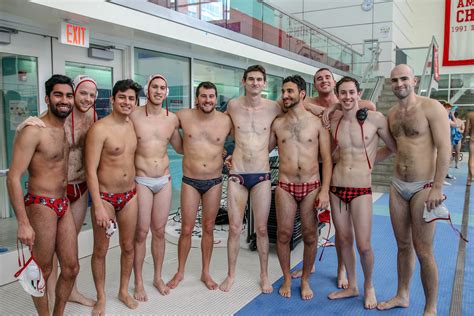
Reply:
x=299, y=190
x=348, y=194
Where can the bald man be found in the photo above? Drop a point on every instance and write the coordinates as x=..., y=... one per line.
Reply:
x=421, y=163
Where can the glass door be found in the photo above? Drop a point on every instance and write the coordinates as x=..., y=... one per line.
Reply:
x=25, y=64
x=73, y=61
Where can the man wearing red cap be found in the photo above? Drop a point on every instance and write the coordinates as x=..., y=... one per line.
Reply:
x=155, y=129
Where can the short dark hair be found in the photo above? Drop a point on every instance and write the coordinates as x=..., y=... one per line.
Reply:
x=298, y=80
x=124, y=85
x=347, y=79
x=322, y=69
x=258, y=68
x=206, y=85
x=57, y=79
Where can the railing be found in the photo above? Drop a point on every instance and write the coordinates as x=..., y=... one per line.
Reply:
x=370, y=84
x=421, y=60
x=268, y=24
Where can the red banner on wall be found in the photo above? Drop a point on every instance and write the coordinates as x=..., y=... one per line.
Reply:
x=435, y=63
x=459, y=33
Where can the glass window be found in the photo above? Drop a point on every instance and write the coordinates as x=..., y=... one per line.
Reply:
x=227, y=80
x=245, y=17
x=19, y=99
x=19, y=84
x=462, y=81
x=175, y=69
x=102, y=75
x=439, y=94
x=273, y=88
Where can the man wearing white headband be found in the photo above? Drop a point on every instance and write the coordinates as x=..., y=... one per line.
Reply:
x=155, y=129
x=76, y=127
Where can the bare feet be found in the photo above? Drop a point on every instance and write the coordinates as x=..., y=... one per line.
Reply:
x=77, y=297
x=162, y=287
x=298, y=273
x=173, y=283
x=139, y=293
x=209, y=282
x=342, y=282
x=128, y=300
x=430, y=313
x=226, y=284
x=99, y=308
x=285, y=289
x=306, y=292
x=349, y=292
x=370, y=301
x=265, y=285
x=396, y=301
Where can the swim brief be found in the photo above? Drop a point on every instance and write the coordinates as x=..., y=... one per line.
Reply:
x=58, y=205
x=118, y=200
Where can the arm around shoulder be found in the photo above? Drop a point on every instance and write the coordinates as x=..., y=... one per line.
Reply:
x=176, y=140
x=368, y=105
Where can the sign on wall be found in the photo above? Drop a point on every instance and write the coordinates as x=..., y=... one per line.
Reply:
x=458, y=33
x=73, y=34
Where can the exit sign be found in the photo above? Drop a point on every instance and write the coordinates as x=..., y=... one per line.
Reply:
x=73, y=34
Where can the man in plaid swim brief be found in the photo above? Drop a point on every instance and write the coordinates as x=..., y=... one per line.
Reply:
x=301, y=138
x=356, y=133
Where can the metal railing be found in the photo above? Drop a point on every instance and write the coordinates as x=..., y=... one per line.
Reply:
x=370, y=84
x=261, y=21
x=421, y=60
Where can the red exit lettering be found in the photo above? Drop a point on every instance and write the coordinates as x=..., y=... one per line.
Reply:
x=75, y=34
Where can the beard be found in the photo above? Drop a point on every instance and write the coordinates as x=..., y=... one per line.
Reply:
x=403, y=94
x=205, y=110
x=59, y=114
x=291, y=105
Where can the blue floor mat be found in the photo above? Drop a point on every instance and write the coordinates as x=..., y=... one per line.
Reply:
x=385, y=280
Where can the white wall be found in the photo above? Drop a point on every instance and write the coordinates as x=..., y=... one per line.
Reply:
x=402, y=23
x=430, y=22
x=346, y=20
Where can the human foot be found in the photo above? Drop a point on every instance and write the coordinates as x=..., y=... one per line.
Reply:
x=342, y=282
x=349, y=292
x=265, y=285
x=306, y=292
x=139, y=293
x=173, y=283
x=161, y=287
x=209, y=282
x=79, y=298
x=128, y=300
x=285, y=289
x=99, y=308
x=396, y=301
x=298, y=273
x=370, y=301
x=226, y=284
